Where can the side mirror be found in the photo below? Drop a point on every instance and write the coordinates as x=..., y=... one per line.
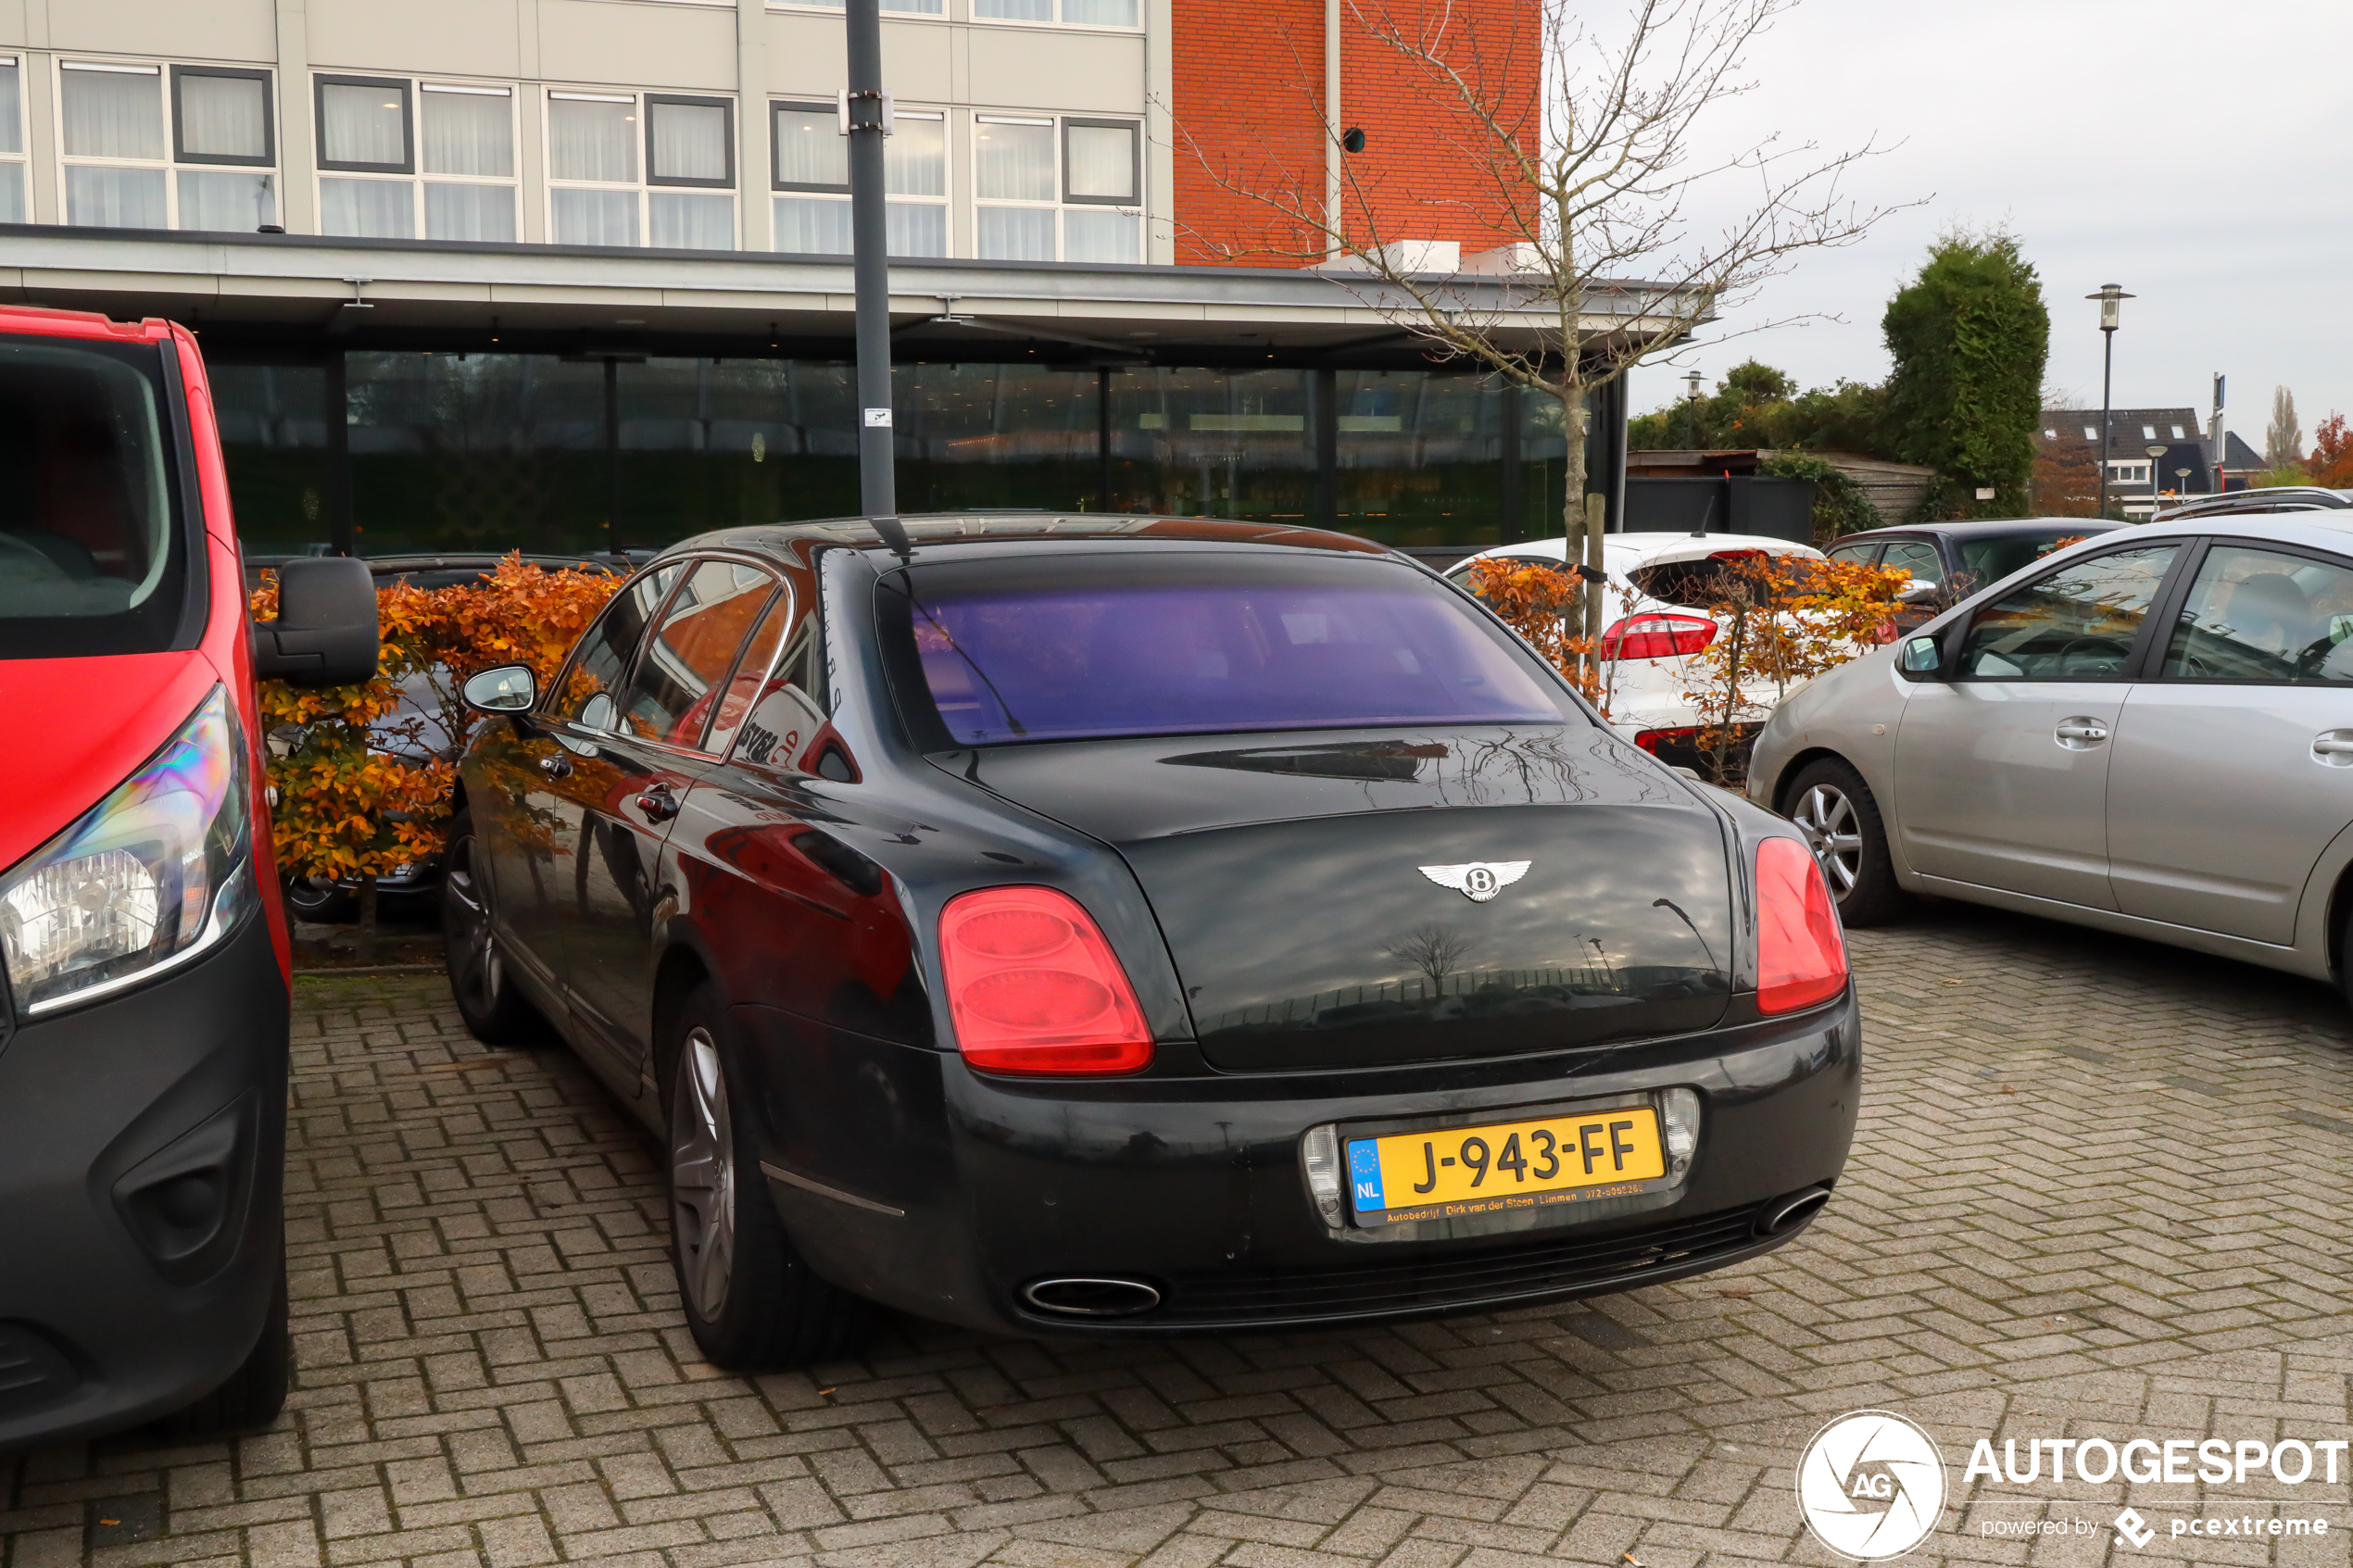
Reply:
x=326, y=633
x=510, y=688
x=1920, y=593
x=1919, y=658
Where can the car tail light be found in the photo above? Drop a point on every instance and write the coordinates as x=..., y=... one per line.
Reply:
x=1658, y=636
x=1034, y=988
x=1651, y=740
x=1801, y=956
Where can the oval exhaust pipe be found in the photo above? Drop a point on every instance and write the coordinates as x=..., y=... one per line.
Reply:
x=1785, y=1214
x=1091, y=1298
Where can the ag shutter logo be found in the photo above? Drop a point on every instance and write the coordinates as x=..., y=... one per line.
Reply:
x=1870, y=1485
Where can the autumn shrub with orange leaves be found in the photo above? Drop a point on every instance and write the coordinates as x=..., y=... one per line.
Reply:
x=350, y=797
x=1539, y=603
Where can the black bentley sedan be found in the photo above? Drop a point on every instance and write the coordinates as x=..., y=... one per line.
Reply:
x=1129, y=925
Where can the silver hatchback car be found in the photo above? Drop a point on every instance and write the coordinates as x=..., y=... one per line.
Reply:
x=2150, y=732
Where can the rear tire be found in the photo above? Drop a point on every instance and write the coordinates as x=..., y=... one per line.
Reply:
x=255, y=1393
x=496, y=1013
x=1839, y=817
x=752, y=1301
x=320, y=900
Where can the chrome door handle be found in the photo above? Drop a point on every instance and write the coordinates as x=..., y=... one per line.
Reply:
x=556, y=767
x=658, y=803
x=2333, y=748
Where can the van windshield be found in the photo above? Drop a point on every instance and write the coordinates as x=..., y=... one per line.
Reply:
x=93, y=560
x=1128, y=644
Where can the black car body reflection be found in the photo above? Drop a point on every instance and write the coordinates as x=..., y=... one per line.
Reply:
x=785, y=840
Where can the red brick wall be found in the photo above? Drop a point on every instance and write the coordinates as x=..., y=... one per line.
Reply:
x=1248, y=101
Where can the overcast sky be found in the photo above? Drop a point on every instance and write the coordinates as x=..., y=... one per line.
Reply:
x=2188, y=152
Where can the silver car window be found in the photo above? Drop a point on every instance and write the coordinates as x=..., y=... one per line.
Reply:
x=2260, y=615
x=2077, y=623
x=1921, y=561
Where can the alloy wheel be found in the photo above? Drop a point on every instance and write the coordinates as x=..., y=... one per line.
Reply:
x=474, y=944
x=702, y=1175
x=1827, y=817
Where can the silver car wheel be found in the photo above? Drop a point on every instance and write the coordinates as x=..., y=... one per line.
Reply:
x=702, y=1175
x=1827, y=817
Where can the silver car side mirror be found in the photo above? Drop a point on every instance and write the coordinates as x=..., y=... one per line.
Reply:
x=510, y=688
x=1919, y=658
x=1920, y=593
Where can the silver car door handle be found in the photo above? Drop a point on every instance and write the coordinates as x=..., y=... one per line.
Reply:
x=2328, y=745
x=2081, y=729
x=2333, y=748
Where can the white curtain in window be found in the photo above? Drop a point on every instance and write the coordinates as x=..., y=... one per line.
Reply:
x=12, y=208
x=1016, y=233
x=1102, y=162
x=1099, y=235
x=372, y=209
x=594, y=218
x=223, y=117
x=919, y=7
x=114, y=198
x=469, y=212
x=690, y=142
x=467, y=134
x=363, y=124
x=915, y=158
x=1100, y=13
x=812, y=226
x=1014, y=10
x=914, y=229
x=592, y=141
x=226, y=201
x=690, y=220
x=112, y=114
x=11, y=110
x=1013, y=162
x=811, y=149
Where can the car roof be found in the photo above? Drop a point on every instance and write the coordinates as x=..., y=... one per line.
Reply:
x=935, y=529
x=2270, y=498
x=1647, y=548
x=1984, y=528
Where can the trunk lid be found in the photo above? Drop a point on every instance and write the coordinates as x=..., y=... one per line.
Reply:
x=1287, y=876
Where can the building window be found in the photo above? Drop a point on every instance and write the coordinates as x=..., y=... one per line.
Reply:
x=377, y=135
x=908, y=7
x=14, y=206
x=1083, y=205
x=2090, y=433
x=1074, y=13
x=811, y=177
x=143, y=148
x=2128, y=474
x=626, y=169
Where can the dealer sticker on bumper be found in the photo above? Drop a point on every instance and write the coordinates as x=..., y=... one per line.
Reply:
x=1564, y=1159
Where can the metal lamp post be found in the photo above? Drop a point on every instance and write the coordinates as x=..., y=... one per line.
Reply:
x=1691, y=401
x=2157, y=476
x=2108, y=297
x=865, y=119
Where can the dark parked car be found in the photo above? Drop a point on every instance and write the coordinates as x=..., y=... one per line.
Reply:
x=1951, y=561
x=1139, y=925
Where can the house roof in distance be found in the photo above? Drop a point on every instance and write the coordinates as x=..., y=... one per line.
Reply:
x=2129, y=429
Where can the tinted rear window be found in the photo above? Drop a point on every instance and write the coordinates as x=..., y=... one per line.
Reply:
x=1989, y=561
x=1096, y=646
x=92, y=554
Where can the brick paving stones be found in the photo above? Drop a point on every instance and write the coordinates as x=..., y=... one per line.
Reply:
x=2099, y=1190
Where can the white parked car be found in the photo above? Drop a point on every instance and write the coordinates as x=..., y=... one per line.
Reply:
x=1655, y=620
x=2150, y=732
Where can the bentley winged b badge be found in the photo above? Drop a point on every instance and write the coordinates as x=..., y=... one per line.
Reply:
x=1478, y=880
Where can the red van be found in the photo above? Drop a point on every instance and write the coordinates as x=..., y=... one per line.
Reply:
x=144, y=993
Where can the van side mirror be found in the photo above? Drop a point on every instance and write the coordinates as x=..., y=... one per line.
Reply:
x=510, y=688
x=1919, y=658
x=326, y=633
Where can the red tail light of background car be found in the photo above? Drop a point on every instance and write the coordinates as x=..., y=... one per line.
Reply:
x=1657, y=635
x=1800, y=954
x=1034, y=988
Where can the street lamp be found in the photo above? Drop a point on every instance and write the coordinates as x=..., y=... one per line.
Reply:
x=1690, y=396
x=2108, y=297
x=2182, y=482
x=2156, y=477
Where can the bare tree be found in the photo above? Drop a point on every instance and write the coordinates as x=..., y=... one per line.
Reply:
x=1436, y=951
x=1587, y=163
x=2283, y=438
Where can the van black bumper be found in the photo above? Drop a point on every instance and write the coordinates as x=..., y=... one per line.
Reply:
x=142, y=1167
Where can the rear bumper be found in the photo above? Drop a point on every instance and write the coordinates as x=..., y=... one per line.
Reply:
x=141, y=1152
x=950, y=1193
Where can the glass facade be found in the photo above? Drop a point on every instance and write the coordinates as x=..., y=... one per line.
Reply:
x=451, y=451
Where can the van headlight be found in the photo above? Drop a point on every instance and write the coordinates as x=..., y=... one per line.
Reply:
x=156, y=872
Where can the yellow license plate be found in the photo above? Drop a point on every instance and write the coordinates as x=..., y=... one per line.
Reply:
x=1564, y=1159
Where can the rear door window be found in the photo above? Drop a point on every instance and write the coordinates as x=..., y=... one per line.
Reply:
x=1917, y=556
x=1032, y=648
x=2260, y=615
x=94, y=556
x=2078, y=624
